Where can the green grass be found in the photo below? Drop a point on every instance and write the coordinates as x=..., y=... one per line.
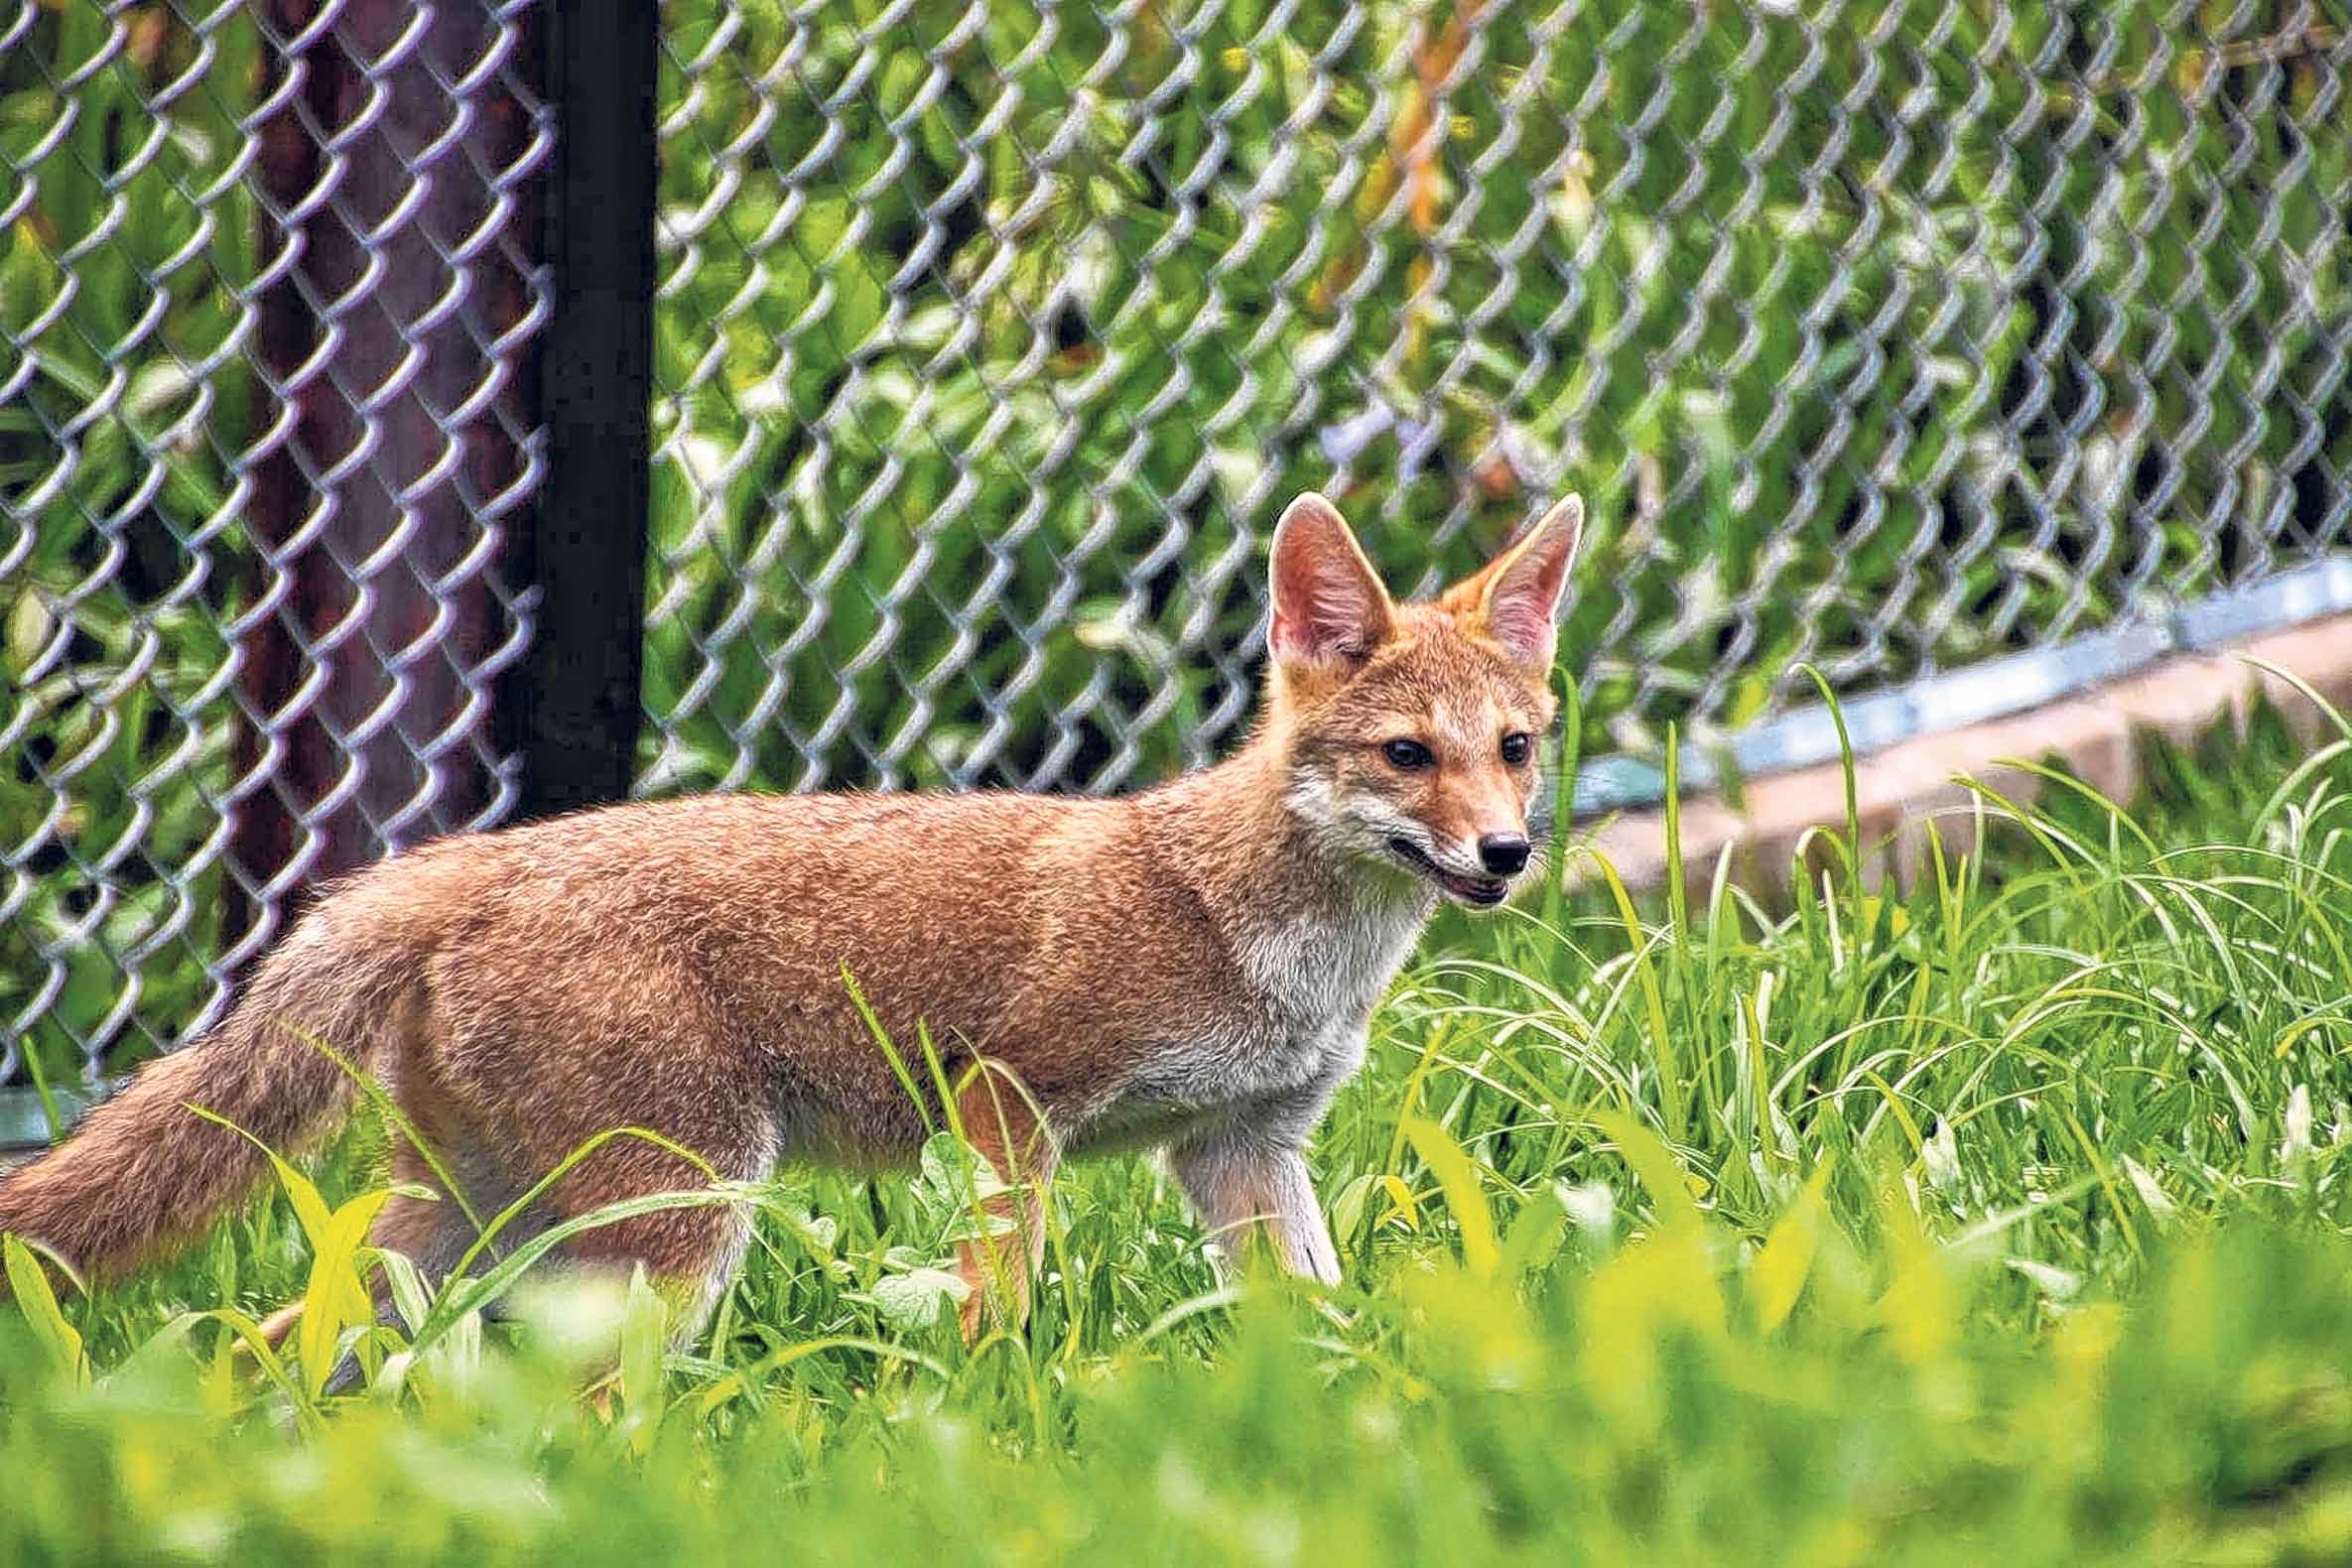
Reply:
x=2000, y=1216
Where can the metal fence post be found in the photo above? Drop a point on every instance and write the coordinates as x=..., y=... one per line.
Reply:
x=574, y=706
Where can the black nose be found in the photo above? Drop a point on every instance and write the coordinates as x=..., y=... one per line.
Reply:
x=1503, y=853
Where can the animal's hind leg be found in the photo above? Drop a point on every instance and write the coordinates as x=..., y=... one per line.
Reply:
x=1003, y=1124
x=690, y=1253
x=564, y=1081
x=433, y=1233
x=471, y=1182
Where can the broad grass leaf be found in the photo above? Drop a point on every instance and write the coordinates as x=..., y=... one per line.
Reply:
x=644, y=1343
x=1534, y=1236
x=1404, y=1206
x=337, y=1297
x=1777, y=1276
x=2159, y=1208
x=411, y=1297
x=58, y=1339
x=1655, y=1165
x=1347, y=1210
x=1456, y=1178
x=309, y=1208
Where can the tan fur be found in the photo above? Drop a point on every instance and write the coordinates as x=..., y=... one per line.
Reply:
x=1192, y=967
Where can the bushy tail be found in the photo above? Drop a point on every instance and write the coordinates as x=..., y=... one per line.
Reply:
x=144, y=1172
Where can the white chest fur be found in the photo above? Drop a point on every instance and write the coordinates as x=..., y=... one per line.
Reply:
x=1298, y=1032
x=1325, y=972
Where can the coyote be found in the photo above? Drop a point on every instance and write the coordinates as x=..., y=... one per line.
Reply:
x=1192, y=967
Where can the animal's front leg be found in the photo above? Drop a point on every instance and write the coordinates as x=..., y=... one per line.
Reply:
x=1241, y=1183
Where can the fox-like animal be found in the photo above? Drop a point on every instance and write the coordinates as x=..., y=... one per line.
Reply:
x=1191, y=968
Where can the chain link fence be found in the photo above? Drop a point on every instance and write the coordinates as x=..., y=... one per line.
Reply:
x=1884, y=335
x=1880, y=334
x=265, y=293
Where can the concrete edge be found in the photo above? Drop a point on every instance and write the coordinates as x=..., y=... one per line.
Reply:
x=1900, y=789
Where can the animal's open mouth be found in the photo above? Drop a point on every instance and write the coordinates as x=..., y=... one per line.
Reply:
x=1484, y=891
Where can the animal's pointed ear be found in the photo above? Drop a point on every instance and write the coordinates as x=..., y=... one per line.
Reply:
x=1329, y=606
x=1516, y=600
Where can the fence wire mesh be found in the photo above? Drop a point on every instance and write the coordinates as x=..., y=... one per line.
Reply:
x=1880, y=334
x=263, y=292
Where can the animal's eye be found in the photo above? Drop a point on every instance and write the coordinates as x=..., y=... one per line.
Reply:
x=1408, y=754
x=1516, y=748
